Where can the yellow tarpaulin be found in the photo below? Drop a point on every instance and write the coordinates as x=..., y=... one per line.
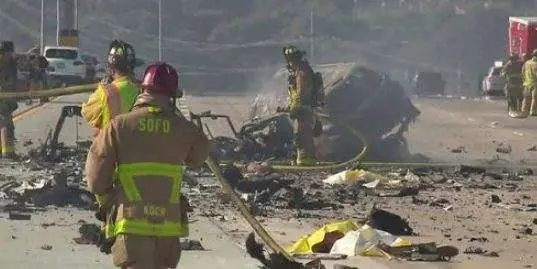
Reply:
x=357, y=240
x=364, y=242
x=305, y=243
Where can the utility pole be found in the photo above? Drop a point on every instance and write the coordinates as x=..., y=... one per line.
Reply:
x=160, y=30
x=76, y=15
x=312, y=52
x=355, y=12
x=42, y=30
x=459, y=77
x=57, y=22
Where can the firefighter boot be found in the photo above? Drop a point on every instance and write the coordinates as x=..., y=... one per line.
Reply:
x=526, y=105
x=302, y=159
x=8, y=147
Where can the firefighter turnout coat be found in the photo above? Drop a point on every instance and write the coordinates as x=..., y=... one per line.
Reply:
x=138, y=159
x=110, y=100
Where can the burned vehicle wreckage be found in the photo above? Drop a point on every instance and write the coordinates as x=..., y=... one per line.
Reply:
x=362, y=99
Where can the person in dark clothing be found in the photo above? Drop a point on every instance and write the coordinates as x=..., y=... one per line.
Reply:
x=8, y=82
x=512, y=73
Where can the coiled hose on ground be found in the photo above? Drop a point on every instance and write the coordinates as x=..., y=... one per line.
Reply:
x=324, y=166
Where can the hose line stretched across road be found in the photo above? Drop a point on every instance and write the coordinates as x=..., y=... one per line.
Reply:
x=243, y=209
x=21, y=95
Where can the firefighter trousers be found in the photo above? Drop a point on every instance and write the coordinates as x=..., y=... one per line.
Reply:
x=529, y=103
x=303, y=127
x=514, y=96
x=7, y=139
x=132, y=251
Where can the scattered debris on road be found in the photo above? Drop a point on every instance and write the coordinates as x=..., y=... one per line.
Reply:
x=46, y=247
x=19, y=216
x=89, y=234
x=504, y=148
x=189, y=244
x=495, y=199
x=459, y=149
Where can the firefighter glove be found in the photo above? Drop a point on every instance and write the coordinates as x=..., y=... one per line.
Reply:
x=105, y=244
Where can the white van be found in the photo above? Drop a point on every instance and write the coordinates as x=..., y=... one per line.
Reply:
x=65, y=64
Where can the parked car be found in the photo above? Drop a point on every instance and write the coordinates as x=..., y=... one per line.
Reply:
x=493, y=83
x=65, y=64
x=429, y=83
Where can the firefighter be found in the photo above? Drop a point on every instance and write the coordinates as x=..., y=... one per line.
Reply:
x=117, y=92
x=145, y=149
x=529, y=102
x=512, y=72
x=37, y=74
x=8, y=82
x=300, y=89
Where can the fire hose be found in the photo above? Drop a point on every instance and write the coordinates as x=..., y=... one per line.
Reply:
x=243, y=209
x=48, y=93
x=353, y=162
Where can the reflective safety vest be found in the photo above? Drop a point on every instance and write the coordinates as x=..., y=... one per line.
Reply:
x=144, y=225
x=120, y=96
x=530, y=73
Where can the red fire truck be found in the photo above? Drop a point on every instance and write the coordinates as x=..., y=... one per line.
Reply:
x=522, y=35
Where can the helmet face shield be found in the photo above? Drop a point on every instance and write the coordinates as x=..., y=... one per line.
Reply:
x=121, y=54
x=292, y=53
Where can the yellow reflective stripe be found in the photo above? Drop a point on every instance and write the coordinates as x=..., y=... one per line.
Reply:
x=109, y=230
x=8, y=149
x=154, y=109
x=142, y=227
x=129, y=187
x=176, y=190
x=127, y=172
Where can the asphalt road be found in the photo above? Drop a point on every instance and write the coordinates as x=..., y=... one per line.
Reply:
x=476, y=125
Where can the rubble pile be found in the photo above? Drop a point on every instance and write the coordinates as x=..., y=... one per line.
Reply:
x=39, y=182
x=310, y=195
x=366, y=100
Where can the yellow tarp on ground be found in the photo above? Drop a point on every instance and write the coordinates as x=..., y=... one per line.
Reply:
x=305, y=243
x=364, y=242
x=358, y=240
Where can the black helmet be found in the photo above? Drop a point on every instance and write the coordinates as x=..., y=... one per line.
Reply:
x=7, y=46
x=291, y=52
x=121, y=56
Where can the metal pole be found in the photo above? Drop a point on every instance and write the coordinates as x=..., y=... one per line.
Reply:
x=42, y=32
x=160, y=30
x=355, y=12
x=76, y=15
x=57, y=22
x=312, y=52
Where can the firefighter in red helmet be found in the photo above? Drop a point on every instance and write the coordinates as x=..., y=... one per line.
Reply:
x=145, y=150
